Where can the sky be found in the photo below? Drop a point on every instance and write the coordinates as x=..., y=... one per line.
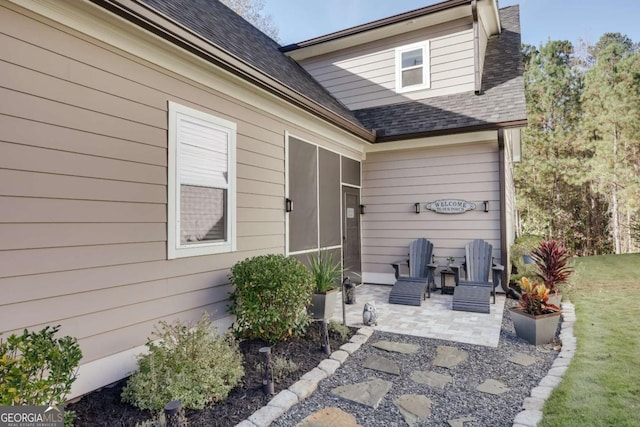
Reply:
x=541, y=20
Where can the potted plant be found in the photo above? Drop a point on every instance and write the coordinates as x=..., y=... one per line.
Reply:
x=535, y=319
x=552, y=265
x=522, y=265
x=326, y=272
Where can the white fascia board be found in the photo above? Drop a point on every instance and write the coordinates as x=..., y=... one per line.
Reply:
x=434, y=141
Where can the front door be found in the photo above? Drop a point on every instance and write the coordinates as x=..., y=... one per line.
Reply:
x=351, y=233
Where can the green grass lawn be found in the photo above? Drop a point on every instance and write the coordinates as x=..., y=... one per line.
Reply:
x=602, y=385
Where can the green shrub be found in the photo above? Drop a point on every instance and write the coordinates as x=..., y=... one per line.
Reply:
x=281, y=368
x=270, y=298
x=159, y=420
x=523, y=245
x=339, y=329
x=190, y=363
x=38, y=369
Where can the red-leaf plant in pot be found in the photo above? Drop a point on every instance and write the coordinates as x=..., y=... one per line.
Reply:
x=535, y=298
x=536, y=319
x=552, y=262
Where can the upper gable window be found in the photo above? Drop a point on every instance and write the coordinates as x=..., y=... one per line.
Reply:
x=201, y=211
x=412, y=67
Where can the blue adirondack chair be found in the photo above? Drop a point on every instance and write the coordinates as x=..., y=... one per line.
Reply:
x=472, y=294
x=412, y=289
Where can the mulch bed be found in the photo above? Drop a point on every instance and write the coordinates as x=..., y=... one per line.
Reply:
x=103, y=407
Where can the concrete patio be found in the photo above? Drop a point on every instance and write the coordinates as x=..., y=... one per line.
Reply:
x=433, y=319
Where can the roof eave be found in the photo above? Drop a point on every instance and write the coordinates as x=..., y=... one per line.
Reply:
x=168, y=29
x=458, y=130
x=380, y=23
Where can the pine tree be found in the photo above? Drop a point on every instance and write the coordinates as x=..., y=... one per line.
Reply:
x=548, y=191
x=611, y=102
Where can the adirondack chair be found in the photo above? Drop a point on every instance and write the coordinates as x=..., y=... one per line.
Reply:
x=411, y=289
x=472, y=294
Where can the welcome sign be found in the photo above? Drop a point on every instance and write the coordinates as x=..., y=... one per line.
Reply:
x=450, y=206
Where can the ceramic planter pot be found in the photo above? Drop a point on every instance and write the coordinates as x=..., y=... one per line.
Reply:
x=322, y=305
x=536, y=330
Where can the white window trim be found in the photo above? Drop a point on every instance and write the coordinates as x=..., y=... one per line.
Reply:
x=174, y=248
x=426, y=66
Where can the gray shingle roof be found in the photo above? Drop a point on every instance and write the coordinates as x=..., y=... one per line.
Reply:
x=503, y=85
x=502, y=98
x=227, y=30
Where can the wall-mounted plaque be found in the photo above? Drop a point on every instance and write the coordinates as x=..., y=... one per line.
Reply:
x=450, y=206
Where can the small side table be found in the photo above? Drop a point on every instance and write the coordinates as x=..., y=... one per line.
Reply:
x=449, y=270
x=444, y=289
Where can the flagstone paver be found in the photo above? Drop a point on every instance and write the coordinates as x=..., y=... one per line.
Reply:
x=382, y=364
x=522, y=359
x=396, y=347
x=414, y=407
x=449, y=357
x=329, y=417
x=430, y=378
x=493, y=387
x=459, y=422
x=368, y=393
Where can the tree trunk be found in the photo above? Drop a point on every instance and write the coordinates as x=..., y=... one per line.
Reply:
x=615, y=209
x=629, y=246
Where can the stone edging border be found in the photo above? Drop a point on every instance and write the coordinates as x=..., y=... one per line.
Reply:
x=531, y=414
x=307, y=384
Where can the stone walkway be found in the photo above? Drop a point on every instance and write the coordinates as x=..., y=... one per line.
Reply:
x=415, y=408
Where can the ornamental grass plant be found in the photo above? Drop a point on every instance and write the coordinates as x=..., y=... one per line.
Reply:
x=326, y=271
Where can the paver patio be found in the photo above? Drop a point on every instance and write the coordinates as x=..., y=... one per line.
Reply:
x=433, y=319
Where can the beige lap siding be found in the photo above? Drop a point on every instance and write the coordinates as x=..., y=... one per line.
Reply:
x=394, y=181
x=364, y=76
x=83, y=190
